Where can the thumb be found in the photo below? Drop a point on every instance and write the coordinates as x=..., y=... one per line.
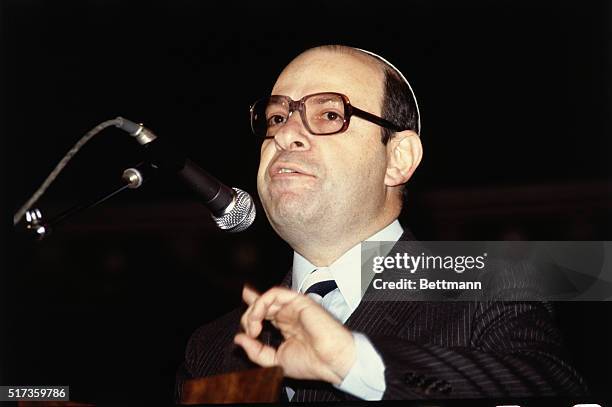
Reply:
x=257, y=352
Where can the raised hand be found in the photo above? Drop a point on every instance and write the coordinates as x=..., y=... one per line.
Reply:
x=316, y=346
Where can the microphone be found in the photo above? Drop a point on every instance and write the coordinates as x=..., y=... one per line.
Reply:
x=232, y=209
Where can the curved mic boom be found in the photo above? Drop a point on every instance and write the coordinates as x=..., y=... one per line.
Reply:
x=232, y=209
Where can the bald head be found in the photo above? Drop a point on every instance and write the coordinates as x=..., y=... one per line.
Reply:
x=337, y=69
x=355, y=52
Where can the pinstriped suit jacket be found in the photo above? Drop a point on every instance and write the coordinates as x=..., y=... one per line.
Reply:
x=430, y=350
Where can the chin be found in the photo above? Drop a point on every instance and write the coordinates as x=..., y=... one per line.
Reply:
x=293, y=212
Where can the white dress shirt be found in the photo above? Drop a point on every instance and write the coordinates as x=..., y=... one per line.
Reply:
x=366, y=378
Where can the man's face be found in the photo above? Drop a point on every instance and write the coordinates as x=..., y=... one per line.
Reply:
x=339, y=179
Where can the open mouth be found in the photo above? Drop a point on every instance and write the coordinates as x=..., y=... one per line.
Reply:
x=286, y=169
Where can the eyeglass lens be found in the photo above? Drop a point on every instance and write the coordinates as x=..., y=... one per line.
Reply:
x=323, y=114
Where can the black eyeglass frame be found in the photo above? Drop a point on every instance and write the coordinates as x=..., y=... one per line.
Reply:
x=349, y=111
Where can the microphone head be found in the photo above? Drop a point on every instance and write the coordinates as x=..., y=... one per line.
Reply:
x=240, y=215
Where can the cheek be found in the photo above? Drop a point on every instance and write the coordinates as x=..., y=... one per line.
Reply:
x=363, y=161
x=266, y=154
x=363, y=169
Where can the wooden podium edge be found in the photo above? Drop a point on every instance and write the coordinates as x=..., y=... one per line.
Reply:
x=261, y=385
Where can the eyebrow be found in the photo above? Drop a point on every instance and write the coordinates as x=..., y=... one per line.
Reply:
x=322, y=99
x=277, y=102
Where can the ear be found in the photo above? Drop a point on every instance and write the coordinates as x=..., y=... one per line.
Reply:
x=404, y=153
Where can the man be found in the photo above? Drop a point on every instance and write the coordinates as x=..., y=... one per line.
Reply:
x=340, y=141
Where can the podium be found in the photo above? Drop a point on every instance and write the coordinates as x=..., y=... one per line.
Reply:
x=262, y=385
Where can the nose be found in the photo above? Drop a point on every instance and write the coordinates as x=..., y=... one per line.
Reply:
x=293, y=136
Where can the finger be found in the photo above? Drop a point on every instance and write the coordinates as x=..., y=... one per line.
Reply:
x=303, y=318
x=253, y=318
x=257, y=352
x=289, y=315
x=270, y=302
x=267, y=306
x=249, y=295
x=251, y=326
x=244, y=319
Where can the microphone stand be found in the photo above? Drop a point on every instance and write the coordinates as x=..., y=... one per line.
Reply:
x=132, y=178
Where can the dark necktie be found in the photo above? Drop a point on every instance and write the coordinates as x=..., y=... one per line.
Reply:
x=318, y=284
x=322, y=288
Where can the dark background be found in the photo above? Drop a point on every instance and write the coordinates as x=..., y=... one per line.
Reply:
x=515, y=102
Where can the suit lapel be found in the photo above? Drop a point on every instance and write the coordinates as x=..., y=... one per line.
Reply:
x=376, y=317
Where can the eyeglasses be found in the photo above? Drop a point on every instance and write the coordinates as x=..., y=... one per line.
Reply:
x=322, y=114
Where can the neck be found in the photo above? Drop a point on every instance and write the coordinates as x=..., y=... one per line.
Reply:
x=323, y=247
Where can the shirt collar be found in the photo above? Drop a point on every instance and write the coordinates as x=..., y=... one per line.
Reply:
x=347, y=268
